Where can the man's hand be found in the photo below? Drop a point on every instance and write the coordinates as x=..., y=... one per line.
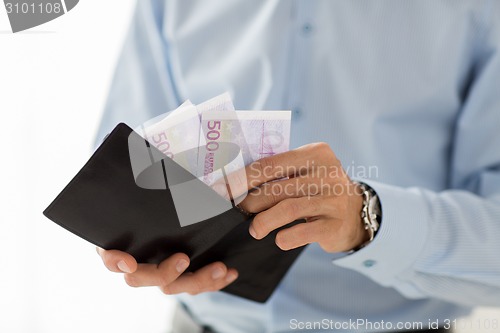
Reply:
x=307, y=183
x=168, y=275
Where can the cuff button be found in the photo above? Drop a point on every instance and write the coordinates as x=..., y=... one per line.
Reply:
x=369, y=263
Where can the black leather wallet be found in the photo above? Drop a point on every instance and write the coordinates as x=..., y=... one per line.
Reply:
x=104, y=205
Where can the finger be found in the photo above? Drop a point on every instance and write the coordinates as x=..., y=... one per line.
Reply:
x=302, y=234
x=289, y=164
x=209, y=278
x=159, y=275
x=286, y=212
x=117, y=261
x=269, y=194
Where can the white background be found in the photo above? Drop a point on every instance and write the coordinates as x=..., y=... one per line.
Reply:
x=53, y=84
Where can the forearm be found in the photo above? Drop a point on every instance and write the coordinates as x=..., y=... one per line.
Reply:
x=442, y=245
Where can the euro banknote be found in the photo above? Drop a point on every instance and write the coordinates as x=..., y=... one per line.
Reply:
x=218, y=138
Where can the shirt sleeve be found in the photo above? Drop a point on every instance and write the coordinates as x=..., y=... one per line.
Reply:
x=142, y=86
x=447, y=244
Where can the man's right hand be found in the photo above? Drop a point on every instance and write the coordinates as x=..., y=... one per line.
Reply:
x=169, y=275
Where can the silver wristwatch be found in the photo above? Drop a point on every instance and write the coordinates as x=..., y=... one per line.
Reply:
x=371, y=213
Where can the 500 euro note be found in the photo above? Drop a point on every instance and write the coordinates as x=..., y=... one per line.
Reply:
x=177, y=136
x=212, y=139
x=177, y=133
x=235, y=139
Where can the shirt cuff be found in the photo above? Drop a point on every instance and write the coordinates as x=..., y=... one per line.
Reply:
x=400, y=239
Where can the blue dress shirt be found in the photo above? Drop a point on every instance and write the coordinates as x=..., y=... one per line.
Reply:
x=407, y=94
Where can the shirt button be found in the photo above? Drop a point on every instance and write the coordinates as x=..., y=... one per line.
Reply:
x=296, y=112
x=307, y=28
x=369, y=263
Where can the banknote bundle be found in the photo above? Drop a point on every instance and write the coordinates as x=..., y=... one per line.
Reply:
x=212, y=139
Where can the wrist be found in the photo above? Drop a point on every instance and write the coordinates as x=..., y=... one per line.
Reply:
x=369, y=215
x=360, y=235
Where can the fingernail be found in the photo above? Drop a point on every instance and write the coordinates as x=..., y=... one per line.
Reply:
x=252, y=232
x=181, y=265
x=217, y=273
x=231, y=277
x=123, y=267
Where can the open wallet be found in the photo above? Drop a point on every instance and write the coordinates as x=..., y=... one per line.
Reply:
x=104, y=205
